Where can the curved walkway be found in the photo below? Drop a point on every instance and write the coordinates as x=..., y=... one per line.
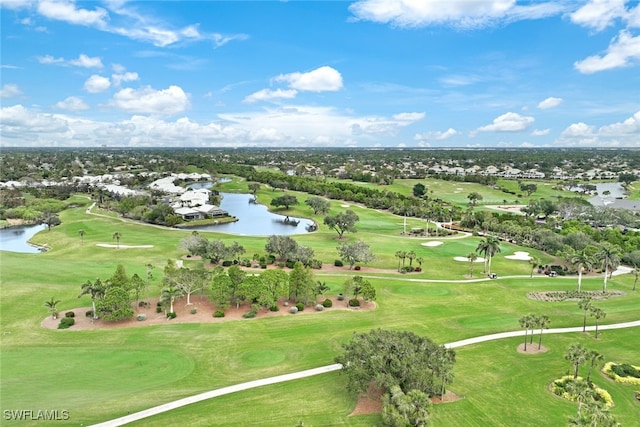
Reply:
x=323, y=370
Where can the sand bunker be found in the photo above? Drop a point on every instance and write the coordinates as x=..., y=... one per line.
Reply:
x=520, y=256
x=345, y=206
x=432, y=244
x=105, y=245
x=465, y=259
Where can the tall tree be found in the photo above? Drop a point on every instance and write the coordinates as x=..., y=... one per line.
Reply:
x=96, y=291
x=585, y=305
x=593, y=358
x=609, y=259
x=472, y=257
x=281, y=246
x=490, y=246
x=301, y=283
x=543, y=323
x=355, y=252
x=401, y=409
x=276, y=285
x=576, y=355
x=170, y=294
x=286, y=200
x=474, y=197
x=597, y=313
x=636, y=273
x=81, y=233
x=117, y=236
x=116, y=304
x=534, y=262
x=342, y=222
x=319, y=205
x=525, y=322
x=582, y=260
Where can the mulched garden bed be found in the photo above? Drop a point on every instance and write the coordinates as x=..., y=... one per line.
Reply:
x=555, y=296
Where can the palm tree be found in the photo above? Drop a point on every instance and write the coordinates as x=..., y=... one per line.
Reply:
x=51, y=305
x=593, y=357
x=96, y=290
x=543, y=323
x=636, y=273
x=472, y=257
x=493, y=247
x=535, y=262
x=533, y=323
x=81, y=233
x=583, y=391
x=411, y=255
x=608, y=255
x=598, y=314
x=526, y=322
x=585, y=305
x=117, y=236
x=170, y=294
x=577, y=355
x=582, y=260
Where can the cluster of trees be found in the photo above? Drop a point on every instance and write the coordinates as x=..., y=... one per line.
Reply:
x=214, y=250
x=531, y=321
x=586, y=305
x=111, y=299
x=410, y=368
x=591, y=410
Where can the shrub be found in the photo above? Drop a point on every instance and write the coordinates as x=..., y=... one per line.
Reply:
x=280, y=264
x=338, y=263
x=274, y=307
x=316, y=264
x=69, y=314
x=319, y=307
x=357, y=268
x=143, y=304
x=406, y=269
x=263, y=266
x=418, y=269
x=218, y=313
x=289, y=263
x=354, y=302
x=227, y=263
x=141, y=317
x=327, y=303
x=625, y=370
x=171, y=315
x=89, y=313
x=194, y=310
x=66, y=322
x=293, y=310
x=250, y=314
x=612, y=370
x=159, y=309
x=271, y=259
x=300, y=306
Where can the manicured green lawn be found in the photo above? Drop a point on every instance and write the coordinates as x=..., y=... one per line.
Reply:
x=103, y=374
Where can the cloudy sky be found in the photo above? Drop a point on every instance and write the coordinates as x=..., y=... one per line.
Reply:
x=413, y=73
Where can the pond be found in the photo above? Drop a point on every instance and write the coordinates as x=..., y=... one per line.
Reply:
x=15, y=239
x=254, y=219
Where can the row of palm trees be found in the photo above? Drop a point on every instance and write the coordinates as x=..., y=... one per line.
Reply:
x=532, y=321
x=607, y=257
x=410, y=255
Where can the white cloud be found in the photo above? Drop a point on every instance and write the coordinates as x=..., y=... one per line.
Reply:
x=599, y=14
x=72, y=103
x=66, y=10
x=578, y=129
x=622, y=51
x=409, y=117
x=87, y=62
x=15, y=4
x=147, y=100
x=436, y=135
x=96, y=84
x=540, y=132
x=630, y=126
x=19, y=121
x=124, y=77
x=10, y=90
x=460, y=14
x=48, y=59
x=508, y=122
x=319, y=80
x=550, y=102
x=268, y=95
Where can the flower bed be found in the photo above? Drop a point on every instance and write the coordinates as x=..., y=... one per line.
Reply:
x=555, y=296
x=622, y=373
x=561, y=387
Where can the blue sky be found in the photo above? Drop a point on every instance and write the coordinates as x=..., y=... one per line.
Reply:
x=384, y=73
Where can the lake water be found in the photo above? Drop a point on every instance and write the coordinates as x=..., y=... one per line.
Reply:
x=15, y=239
x=253, y=219
x=615, y=189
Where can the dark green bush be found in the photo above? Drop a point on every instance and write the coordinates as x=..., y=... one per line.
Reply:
x=66, y=322
x=625, y=370
x=250, y=314
x=159, y=309
x=357, y=268
x=218, y=313
x=227, y=263
x=143, y=304
x=271, y=259
x=274, y=307
x=263, y=266
x=289, y=263
x=327, y=303
x=338, y=263
x=316, y=264
x=69, y=314
x=300, y=306
x=194, y=310
x=354, y=302
x=171, y=315
x=89, y=313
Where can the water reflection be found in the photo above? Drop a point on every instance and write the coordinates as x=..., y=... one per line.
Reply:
x=15, y=239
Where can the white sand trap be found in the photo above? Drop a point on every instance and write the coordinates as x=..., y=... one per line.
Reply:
x=520, y=256
x=105, y=245
x=459, y=189
x=345, y=206
x=432, y=244
x=465, y=259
